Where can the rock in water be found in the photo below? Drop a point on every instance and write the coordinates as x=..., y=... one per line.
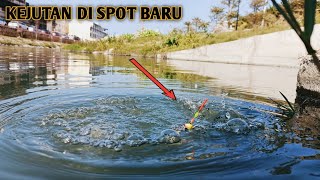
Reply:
x=169, y=137
x=237, y=125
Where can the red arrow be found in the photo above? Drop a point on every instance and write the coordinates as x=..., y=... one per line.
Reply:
x=166, y=92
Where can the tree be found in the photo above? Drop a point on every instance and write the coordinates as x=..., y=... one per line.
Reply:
x=204, y=26
x=226, y=13
x=257, y=5
x=196, y=22
x=297, y=5
x=238, y=14
x=231, y=14
x=217, y=14
x=188, y=25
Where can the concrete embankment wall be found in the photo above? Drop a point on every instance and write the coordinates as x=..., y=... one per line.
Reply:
x=274, y=49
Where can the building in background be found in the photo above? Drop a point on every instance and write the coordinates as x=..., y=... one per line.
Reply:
x=4, y=3
x=41, y=24
x=86, y=30
x=60, y=26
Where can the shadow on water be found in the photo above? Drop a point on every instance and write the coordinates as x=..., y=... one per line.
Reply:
x=95, y=116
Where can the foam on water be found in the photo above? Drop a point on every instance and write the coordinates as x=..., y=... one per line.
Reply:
x=124, y=122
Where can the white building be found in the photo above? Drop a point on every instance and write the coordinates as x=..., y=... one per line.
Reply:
x=86, y=30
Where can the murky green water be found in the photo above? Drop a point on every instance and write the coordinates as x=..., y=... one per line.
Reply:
x=68, y=115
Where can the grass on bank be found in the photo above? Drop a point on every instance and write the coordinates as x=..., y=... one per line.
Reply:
x=150, y=43
x=155, y=43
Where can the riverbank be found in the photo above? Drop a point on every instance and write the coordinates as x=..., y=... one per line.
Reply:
x=282, y=48
x=275, y=49
x=149, y=43
x=23, y=42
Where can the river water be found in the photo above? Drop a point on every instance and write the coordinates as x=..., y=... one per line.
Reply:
x=66, y=115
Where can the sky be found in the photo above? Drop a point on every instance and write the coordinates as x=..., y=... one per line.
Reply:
x=191, y=9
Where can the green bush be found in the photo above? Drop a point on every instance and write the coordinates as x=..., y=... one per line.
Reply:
x=172, y=42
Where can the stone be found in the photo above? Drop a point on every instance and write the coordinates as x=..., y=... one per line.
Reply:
x=308, y=81
x=306, y=122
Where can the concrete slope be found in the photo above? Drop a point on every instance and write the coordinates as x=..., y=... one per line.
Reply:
x=274, y=49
